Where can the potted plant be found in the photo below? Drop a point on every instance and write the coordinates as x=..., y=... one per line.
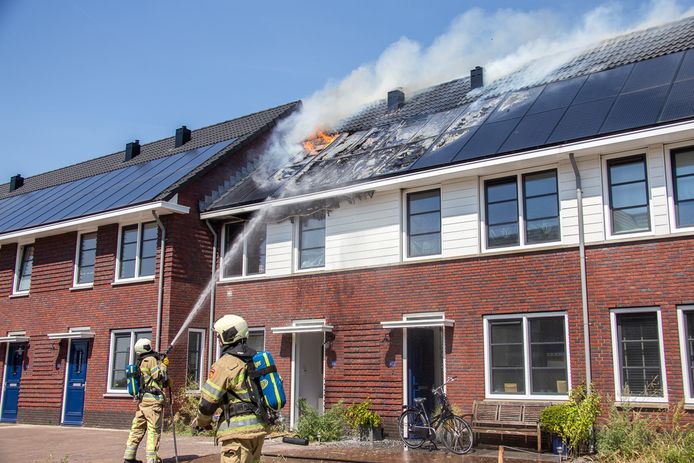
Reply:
x=365, y=421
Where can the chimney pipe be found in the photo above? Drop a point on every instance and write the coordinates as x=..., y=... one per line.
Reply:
x=16, y=181
x=182, y=136
x=476, y=77
x=132, y=149
x=396, y=100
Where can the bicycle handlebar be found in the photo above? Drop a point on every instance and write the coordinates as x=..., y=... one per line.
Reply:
x=439, y=389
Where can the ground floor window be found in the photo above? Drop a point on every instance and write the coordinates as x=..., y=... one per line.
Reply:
x=638, y=355
x=196, y=339
x=526, y=355
x=121, y=354
x=256, y=339
x=686, y=322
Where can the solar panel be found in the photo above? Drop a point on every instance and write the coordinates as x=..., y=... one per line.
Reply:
x=687, y=67
x=533, y=130
x=653, y=72
x=557, y=95
x=680, y=101
x=636, y=109
x=581, y=120
x=445, y=148
x=603, y=84
x=515, y=105
x=487, y=140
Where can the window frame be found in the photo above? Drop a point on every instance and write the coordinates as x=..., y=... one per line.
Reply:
x=244, y=256
x=138, y=250
x=521, y=200
x=76, y=267
x=670, y=151
x=607, y=195
x=617, y=356
x=687, y=377
x=297, y=245
x=111, y=358
x=527, y=356
x=19, y=258
x=406, y=222
x=201, y=361
x=258, y=329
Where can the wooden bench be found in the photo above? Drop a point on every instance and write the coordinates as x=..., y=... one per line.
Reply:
x=508, y=418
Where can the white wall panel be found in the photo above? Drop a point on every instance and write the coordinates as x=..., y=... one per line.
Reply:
x=278, y=259
x=658, y=189
x=460, y=218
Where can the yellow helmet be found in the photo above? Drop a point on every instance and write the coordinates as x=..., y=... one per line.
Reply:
x=143, y=346
x=231, y=329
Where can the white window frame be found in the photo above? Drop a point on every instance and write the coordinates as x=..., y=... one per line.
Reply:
x=684, y=352
x=260, y=329
x=670, y=182
x=137, y=277
x=405, y=245
x=607, y=212
x=616, y=357
x=218, y=346
x=521, y=209
x=526, y=356
x=201, y=366
x=244, y=256
x=76, y=267
x=297, y=243
x=131, y=357
x=17, y=266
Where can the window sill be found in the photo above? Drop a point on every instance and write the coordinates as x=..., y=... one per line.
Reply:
x=536, y=398
x=81, y=287
x=522, y=247
x=131, y=281
x=19, y=295
x=117, y=395
x=643, y=405
x=255, y=276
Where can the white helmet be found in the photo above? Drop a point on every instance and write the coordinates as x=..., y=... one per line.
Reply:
x=231, y=329
x=143, y=346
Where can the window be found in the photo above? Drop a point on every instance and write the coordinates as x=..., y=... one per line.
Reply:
x=196, y=338
x=686, y=322
x=25, y=264
x=637, y=348
x=256, y=339
x=534, y=221
x=683, y=182
x=526, y=355
x=628, y=192
x=312, y=241
x=424, y=223
x=86, y=255
x=122, y=354
x=137, y=254
x=248, y=257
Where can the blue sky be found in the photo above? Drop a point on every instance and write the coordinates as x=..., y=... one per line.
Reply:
x=80, y=79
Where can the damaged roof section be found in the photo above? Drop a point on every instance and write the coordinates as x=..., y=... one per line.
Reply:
x=638, y=80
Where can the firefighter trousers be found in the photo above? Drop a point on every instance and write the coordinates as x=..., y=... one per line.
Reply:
x=147, y=419
x=242, y=450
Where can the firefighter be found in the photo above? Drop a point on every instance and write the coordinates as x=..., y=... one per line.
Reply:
x=239, y=429
x=150, y=407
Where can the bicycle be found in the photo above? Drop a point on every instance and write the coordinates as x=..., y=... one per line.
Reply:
x=415, y=426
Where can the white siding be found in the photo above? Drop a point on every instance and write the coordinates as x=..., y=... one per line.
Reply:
x=365, y=233
x=658, y=189
x=568, y=209
x=460, y=218
x=591, y=180
x=278, y=259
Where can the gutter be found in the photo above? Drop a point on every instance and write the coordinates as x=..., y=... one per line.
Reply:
x=584, y=276
x=213, y=293
x=160, y=296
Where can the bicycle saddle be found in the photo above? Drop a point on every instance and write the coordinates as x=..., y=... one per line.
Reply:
x=419, y=400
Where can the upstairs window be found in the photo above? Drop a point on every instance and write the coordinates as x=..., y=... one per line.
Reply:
x=541, y=201
x=312, y=241
x=424, y=223
x=502, y=212
x=244, y=249
x=628, y=191
x=25, y=264
x=137, y=253
x=84, y=261
x=683, y=180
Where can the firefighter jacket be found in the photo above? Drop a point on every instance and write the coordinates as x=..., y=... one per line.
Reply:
x=226, y=387
x=154, y=378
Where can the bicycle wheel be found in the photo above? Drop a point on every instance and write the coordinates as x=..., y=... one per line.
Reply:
x=455, y=434
x=413, y=428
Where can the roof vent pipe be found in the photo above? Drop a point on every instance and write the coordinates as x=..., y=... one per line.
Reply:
x=16, y=181
x=182, y=136
x=132, y=149
x=477, y=77
x=396, y=100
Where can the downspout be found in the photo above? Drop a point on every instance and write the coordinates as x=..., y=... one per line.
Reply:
x=210, y=337
x=584, y=276
x=160, y=297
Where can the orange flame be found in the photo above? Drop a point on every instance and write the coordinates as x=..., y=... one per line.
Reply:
x=318, y=141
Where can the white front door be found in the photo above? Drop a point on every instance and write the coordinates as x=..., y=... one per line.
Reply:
x=308, y=373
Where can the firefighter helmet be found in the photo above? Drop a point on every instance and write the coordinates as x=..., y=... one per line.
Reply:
x=231, y=329
x=143, y=346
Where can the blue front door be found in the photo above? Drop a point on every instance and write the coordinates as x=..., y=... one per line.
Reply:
x=13, y=376
x=76, y=379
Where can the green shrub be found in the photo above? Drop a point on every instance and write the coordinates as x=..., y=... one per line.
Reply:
x=359, y=416
x=187, y=409
x=330, y=426
x=573, y=420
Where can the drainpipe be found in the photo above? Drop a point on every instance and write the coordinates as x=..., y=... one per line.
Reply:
x=584, y=276
x=210, y=337
x=160, y=297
